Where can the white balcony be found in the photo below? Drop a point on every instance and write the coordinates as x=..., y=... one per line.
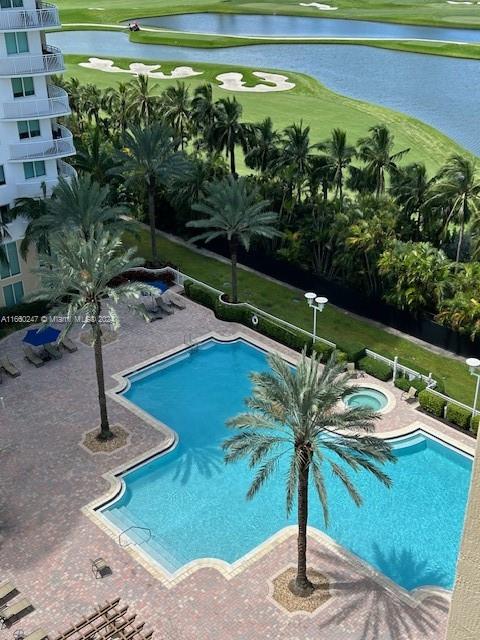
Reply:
x=32, y=149
x=20, y=19
x=25, y=108
x=51, y=61
x=36, y=187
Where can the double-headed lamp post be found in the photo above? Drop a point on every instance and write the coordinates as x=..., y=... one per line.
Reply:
x=317, y=303
x=474, y=366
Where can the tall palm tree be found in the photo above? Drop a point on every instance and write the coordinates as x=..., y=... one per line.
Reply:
x=296, y=154
x=94, y=155
x=91, y=102
x=148, y=157
x=143, y=101
x=177, y=110
x=203, y=108
x=410, y=186
x=34, y=211
x=459, y=186
x=75, y=277
x=235, y=212
x=227, y=131
x=339, y=156
x=116, y=100
x=376, y=151
x=263, y=146
x=296, y=416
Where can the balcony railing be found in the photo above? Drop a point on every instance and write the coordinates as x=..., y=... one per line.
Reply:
x=32, y=149
x=44, y=16
x=23, y=108
x=51, y=61
x=36, y=187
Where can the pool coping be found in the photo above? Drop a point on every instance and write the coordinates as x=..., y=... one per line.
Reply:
x=229, y=570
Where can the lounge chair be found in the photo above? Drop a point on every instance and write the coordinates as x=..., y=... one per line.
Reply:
x=409, y=396
x=32, y=357
x=168, y=309
x=12, y=612
x=69, y=345
x=100, y=568
x=7, y=365
x=7, y=590
x=38, y=634
x=53, y=351
x=172, y=301
x=351, y=369
x=149, y=315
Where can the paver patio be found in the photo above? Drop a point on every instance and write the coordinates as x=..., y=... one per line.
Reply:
x=47, y=542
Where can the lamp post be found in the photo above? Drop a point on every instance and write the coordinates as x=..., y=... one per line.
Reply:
x=474, y=366
x=317, y=303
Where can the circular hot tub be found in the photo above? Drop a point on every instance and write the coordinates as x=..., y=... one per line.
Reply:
x=367, y=397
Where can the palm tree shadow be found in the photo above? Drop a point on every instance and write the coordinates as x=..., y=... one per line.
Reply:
x=377, y=612
x=207, y=461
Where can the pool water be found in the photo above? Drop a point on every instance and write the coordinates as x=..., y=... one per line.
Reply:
x=195, y=505
x=367, y=397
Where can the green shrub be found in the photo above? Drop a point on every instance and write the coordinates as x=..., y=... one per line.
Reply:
x=431, y=403
x=475, y=421
x=325, y=350
x=201, y=295
x=233, y=313
x=402, y=383
x=355, y=351
x=294, y=339
x=459, y=416
x=375, y=368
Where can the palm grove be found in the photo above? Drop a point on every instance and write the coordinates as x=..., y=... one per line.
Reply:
x=356, y=212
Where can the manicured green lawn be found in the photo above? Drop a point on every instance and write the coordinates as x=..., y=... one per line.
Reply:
x=405, y=11
x=334, y=324
x=309, y=101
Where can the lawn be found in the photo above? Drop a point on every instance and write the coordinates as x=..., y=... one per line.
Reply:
x=334, y=323
x=310, y=101
x=407, y=11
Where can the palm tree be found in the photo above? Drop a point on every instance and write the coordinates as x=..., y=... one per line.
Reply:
x=459, y=186
x=91, y=102
x=94, y=155
x=34, y=211
x=339, y=156
x=296, y=154
x=235, y=212
x=116, y=100
x=410, y=187
x=227, y=131
x=376, y=151
x=142, y=101
x=297, y=415
x=263, y=146
x=75, y=277
x=176, y=109
x=203, y=108
x=4, y=238
x=149, y=157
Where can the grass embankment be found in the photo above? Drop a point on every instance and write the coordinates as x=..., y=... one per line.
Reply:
x=416, y=12
x=333, y=324
x=309, y=101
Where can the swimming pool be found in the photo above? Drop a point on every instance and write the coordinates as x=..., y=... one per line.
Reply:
x=367, y=397
x=195, y=505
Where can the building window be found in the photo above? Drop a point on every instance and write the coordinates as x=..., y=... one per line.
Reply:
x=28, y=129
x=13, y=294
x=34, y=169
x=2, y=175
x=10, y=4
x=12, y=266
x=16, y=42
x=22, y=87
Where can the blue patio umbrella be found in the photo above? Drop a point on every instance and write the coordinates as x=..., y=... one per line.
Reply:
x=39, y=337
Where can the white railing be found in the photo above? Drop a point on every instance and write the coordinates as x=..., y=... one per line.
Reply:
x=37, y=150
x=19, y=18
x=66, y=170
x=398, y=366
x=55, y=105
x=51, y=61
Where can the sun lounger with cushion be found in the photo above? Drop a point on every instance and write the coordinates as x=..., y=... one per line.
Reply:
x=168, y=309
x=38, y=634
x=7, y=589
x=13, y=611
x=32, y=357
x=53, y=351
x=69, y=345
x=172, y=301
x=7, y=365
x=409, y=396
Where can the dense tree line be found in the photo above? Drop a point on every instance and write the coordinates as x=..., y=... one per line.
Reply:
x=353, y=211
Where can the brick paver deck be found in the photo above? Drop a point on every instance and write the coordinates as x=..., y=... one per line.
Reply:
x=46, y=542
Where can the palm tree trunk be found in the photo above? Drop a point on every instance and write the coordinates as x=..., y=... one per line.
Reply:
x=233, y=259
x=105, y=432
x=460, y=237
x=302, y=586
x=233, y=168
x=151, y=218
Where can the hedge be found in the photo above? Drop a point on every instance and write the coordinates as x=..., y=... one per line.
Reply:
x=459, y=416
x=294, y=339
x=323, y=349
x=474, y=426
x=353, y=350
x=431, y=403
x=403, y=383
x=201, y=295
x=375, y=368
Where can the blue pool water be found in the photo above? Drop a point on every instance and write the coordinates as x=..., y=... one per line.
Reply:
x=158, y=284
x=367, y=397
x=195, y=505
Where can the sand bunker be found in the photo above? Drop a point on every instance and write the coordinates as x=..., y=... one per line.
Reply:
x=140, y=69
x=319, y=6
x=234, y=82
x=453, y=2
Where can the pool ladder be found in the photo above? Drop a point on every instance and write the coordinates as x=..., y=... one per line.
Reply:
x=130, y=542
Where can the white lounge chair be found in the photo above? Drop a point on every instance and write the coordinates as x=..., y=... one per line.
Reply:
x=409, y=396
